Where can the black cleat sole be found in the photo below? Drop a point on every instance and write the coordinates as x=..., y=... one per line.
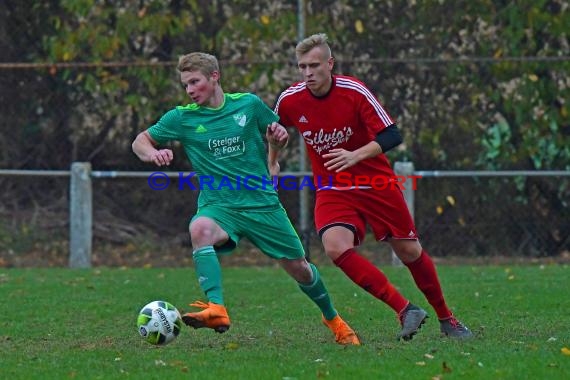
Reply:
x=197, y=324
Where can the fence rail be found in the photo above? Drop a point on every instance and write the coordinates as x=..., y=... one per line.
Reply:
x=81, y=197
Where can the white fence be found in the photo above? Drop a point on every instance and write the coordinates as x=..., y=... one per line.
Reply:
x=81, y=196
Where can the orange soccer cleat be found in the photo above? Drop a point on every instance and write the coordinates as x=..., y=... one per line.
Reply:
x=342, y=331
x=213, y=316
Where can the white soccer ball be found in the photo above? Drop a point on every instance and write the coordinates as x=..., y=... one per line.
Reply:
x=159, y=323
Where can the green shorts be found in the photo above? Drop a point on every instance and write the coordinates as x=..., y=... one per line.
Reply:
x=269, y=229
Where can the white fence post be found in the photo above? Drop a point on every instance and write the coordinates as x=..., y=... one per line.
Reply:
x=80, y=215
x=405, y=169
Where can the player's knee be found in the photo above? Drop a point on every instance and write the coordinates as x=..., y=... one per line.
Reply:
x=305, y=274
x=334, y=251
x=407, y=250
x=299, y=269
x=198, y=232
x=203, y=231
x=337, y=240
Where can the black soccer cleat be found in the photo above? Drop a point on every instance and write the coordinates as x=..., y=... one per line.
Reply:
x=453, y=328
x=411, y=319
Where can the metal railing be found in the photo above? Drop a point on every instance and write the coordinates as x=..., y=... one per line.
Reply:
x=81, y=196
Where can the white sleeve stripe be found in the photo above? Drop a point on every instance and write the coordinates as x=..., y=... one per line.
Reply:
x=347, y=83
x=290, y=91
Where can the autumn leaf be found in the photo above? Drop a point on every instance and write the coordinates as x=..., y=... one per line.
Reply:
x=359, y=26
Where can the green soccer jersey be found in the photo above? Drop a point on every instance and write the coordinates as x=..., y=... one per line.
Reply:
x=226, y=148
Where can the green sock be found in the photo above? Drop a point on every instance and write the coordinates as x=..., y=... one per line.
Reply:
x=319, y=294
x=209, y=273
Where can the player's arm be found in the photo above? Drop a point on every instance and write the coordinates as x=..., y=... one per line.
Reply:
x=145, y=148
x=277, y=139
x=386, y=139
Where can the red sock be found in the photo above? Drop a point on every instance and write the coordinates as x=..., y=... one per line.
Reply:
x=425, y=275
x=371, y=279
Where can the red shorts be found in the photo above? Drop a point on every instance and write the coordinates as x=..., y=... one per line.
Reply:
x=385, y=211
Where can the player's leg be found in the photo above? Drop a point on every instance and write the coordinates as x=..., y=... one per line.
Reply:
x=344, y=216
x=424, y=273
x=392, y=221
x=309, y=280
x=341, y=227
x=338, y=245
x=205, y=234
x=274, y=235
x=401, y=235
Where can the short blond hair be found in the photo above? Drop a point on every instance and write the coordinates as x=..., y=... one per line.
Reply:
x=311, y=42
x=203, y=62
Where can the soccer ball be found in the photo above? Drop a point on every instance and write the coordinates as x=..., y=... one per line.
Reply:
x=159, y=323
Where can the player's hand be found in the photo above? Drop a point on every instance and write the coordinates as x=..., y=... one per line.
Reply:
x=162, y=157
x=340, y=159
x=277, y=135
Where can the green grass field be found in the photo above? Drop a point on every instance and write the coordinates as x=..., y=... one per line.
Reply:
x=65, y=324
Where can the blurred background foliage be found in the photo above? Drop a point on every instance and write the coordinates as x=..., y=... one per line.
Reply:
x=474, y=85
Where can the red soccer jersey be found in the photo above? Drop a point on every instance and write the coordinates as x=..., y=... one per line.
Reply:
x=348, y=117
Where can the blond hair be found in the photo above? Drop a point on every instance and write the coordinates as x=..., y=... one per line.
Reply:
x=311, y=42
x=203, y=62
